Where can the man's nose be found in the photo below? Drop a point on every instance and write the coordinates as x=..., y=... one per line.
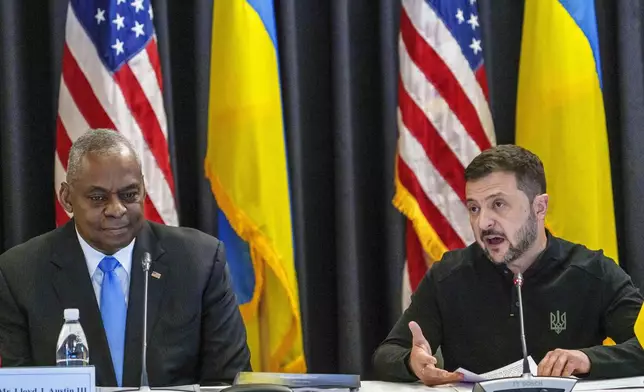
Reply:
x=115, y=208
x=486, y=220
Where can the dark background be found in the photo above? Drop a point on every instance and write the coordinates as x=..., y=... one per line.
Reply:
x=339, y=74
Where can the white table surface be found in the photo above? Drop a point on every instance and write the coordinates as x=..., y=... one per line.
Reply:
x=381, y=386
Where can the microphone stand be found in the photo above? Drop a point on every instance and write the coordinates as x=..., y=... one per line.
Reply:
x=145, y=383
x=526, y=382
x=518, y=282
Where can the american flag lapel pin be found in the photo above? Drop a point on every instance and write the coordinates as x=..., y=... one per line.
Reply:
x=155, y=275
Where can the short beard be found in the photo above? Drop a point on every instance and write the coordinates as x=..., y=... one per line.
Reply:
x=525, y=238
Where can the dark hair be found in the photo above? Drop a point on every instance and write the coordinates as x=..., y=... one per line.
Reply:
x=526, y=166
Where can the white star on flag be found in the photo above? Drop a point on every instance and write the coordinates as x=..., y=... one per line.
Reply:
x=119, y=22
x=138, y=5
x=150, y=12
x=118, y=46
x=473, y=21
x=119, y=2
x=476, y=45
x=138, y=29
x=459, y=16
x=100, y=16
x=472, y=2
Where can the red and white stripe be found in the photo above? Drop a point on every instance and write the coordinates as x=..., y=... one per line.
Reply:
x=129, y=101
x=444, y=121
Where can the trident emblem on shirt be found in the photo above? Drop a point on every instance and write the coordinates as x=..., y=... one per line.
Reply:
x=558, y=322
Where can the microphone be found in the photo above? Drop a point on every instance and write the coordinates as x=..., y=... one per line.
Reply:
x=526, y=382
x=145, y=263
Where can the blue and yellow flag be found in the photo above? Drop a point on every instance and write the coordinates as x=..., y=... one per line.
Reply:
x=247, y=168
x=560, y=117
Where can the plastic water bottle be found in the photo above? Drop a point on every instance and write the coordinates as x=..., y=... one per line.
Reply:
x=72, y=347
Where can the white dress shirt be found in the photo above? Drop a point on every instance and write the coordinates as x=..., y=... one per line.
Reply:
x=93, y=259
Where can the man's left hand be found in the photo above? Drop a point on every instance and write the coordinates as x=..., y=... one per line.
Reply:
x=564, y=363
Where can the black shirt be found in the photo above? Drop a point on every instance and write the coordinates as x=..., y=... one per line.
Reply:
x=573, y=298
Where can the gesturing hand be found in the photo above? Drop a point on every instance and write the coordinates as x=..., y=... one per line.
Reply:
x=423, y=363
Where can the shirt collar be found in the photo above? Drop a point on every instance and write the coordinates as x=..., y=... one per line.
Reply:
x=548, y=257
x=93, y=257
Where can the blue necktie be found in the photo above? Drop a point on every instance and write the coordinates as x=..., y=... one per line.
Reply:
x=114, y=313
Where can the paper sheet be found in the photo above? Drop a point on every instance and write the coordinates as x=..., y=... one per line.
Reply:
x=514, y=369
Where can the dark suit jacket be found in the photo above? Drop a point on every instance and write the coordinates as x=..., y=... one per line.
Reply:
x=195, y=331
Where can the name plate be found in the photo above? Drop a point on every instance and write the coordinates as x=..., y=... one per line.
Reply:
x=48, y=379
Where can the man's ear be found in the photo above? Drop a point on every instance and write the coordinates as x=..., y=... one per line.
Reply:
x=540, y=205
x=64, y=196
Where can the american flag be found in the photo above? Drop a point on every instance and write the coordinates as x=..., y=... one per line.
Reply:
x=444, y=121
x=111, y=78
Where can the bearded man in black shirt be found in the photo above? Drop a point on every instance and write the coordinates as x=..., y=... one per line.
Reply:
x=466, y=304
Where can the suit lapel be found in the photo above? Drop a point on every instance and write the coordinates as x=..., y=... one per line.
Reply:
x=73, y=286
x=146, y=242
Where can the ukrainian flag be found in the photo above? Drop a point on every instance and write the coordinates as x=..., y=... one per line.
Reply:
x=560, y=117
x=247, y=168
